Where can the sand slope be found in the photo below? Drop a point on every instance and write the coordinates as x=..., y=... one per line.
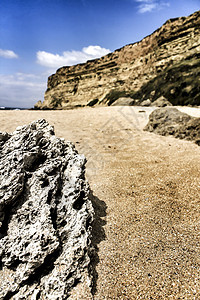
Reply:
x=146, y=192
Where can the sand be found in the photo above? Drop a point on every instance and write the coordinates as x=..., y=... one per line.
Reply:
x=146, y=193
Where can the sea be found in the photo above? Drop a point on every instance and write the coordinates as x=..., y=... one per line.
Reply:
x=12, y=108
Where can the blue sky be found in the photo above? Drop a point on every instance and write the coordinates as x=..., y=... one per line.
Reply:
x=37, y=37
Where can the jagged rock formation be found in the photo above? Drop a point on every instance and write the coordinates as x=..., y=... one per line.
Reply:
x=170, y=121
x=45, y=215
x=165, y=63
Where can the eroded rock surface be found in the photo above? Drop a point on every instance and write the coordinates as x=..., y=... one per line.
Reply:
x=45, y=215
x=170, y=121
x=161, y=102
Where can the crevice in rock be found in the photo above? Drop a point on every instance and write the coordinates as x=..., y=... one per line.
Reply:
x=38, y=160
x=88, y=222
x=49, y=196
x=22, y=197
x=58, y=193
x=53, y=172
x=6, y=220
x=53, y=212
x=53, y=198
x=76, y=281
x=9, y=295
x=38, y=295
x=15, y=263
x=45, y=183
x=10, y=207
x=4, y=137
x=45, y=268
x=78, y=203
x=59, y=187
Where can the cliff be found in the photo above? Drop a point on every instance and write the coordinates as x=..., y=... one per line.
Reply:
x=165, y=63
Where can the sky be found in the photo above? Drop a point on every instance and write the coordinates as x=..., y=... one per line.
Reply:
x=39, y=36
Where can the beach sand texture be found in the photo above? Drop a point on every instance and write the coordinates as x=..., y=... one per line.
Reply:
x=146, y=193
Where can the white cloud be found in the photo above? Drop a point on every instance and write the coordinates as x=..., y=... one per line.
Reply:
x=147, y=7
x=151, y=5
x=21, y=90
x=70, y=57
x=8, y=54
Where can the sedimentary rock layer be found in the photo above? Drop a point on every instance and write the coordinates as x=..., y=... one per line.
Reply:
x=45, y=215
x=165, y=63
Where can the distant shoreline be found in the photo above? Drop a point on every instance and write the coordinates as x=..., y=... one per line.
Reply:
x=13, y=108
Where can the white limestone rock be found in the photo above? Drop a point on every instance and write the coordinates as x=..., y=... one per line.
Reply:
x=45, y=215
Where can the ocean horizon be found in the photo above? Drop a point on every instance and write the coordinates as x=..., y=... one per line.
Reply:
x=13, y=108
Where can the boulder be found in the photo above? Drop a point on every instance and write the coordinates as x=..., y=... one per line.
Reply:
x=161, y=102
x=170, y=121
x=146, y=102
x=45, y=215
x=123, y=101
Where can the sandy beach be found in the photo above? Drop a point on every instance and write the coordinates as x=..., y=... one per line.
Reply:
x=146, y=195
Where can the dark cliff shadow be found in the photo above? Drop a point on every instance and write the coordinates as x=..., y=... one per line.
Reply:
x=98, y=235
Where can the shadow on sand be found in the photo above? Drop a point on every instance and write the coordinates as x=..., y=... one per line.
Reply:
x=98, y=234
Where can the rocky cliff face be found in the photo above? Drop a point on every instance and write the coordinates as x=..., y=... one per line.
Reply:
x=45, y=215
x=165, y=63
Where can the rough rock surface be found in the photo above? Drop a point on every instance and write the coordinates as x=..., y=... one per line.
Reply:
x=123, y=101
x=161, y=102
x=170, y=121
x=165, y=63
x=45, y=215
x=146, y=102
x=38, y=105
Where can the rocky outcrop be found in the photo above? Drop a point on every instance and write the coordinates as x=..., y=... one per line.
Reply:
x=161, y=102
x=124, y=101
x=45, y=215
x=170, y=121
x=146, y=102
x=165, y=63
x=38, y=105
